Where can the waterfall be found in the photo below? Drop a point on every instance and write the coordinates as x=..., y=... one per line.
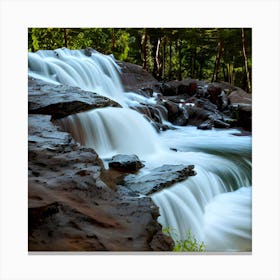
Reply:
x=215, y=204
x=97, y=73
x=113, y=131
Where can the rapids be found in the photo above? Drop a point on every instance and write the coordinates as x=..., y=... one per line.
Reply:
x=215, y=205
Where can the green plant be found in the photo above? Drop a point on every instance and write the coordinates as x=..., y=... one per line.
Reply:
x=190, y=244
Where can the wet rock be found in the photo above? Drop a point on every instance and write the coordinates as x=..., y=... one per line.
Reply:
x=213, y=93
x=172, y=109
x=155, y=114
x=158, y=178
x=220, y=124
x=134, y=78
x=184, y=87
x=128, y=163
x=241, y=108
x=73, y=203
x=205, y=125
x=222, y=101
x=169, y=88
x=240, y=96
x=182, y=118
x=62, y=100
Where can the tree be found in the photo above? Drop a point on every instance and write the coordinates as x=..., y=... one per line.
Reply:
x=245, y=60
x=217, y=62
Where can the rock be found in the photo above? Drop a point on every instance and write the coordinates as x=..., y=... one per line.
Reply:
x=134, y=78
x=176, y=114
x=126, y=163
x=241, y=108
x=169, y=88
x=172, y=109
x=73, y=204
x=213, y=93
x=158, y=178
x=222, y=101
x=240, y=96
x=155, y=114
x=182, y=118
x=184, y=87
x=220, y=124
x=191, y=89
x=197, y=115
x=205, y=125
x=62, y=100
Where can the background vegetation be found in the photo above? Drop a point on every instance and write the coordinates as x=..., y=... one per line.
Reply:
x=212, y=54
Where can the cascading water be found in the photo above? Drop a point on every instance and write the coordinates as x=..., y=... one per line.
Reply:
x=215, y=204
x=112, y=130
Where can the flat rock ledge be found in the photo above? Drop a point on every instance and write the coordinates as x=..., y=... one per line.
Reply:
x=158, y=179
x=61, y=100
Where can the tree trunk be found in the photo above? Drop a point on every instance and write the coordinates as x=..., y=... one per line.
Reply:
x=170, y=62
x=156, y=57
x=65, y=37
x=246, y=61
x=163, y=57
x=113, y=39
x=144, y=49
x=180, y=60
x=193, y=63
x=217, y=62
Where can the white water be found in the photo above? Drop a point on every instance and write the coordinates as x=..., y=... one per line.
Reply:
x=215, y=204
x=97, y=73
x=111, y=131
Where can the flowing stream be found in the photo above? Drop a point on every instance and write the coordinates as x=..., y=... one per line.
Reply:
x=215, y=205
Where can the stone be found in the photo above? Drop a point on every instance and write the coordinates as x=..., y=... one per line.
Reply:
x=213, y=93
x=134, y=78
x=73, y=203
x=220, y=124
x=158, y=178
x=128, y=163
x=207, y=125
x=241, y=108
x=61, y=100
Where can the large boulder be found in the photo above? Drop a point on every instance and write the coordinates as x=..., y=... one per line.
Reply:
x=185, y=87
x=73, y=205
x=158, y=178
x=61, y=100
x=241, y=108
x=239, y=96
x=134, y=78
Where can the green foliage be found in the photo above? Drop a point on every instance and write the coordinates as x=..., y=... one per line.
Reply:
x=190, y=244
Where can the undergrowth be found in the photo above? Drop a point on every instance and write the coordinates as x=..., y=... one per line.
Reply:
x=190, y=244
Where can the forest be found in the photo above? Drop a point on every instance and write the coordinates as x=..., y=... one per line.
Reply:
x=210, y=54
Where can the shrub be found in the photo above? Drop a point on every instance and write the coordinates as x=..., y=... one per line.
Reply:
x=190, y=244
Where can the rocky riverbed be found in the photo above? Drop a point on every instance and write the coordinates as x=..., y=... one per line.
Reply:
x=74, y=203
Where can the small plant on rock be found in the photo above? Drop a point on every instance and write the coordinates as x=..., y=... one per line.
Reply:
x=190, y=244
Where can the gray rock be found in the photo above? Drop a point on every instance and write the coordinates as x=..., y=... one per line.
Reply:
x=158, y=178
x=205, y=125
x=220, y=124
x=61, y=100
x=126, y=162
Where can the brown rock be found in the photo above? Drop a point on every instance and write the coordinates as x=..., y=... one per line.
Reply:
x=71, y=207
x=62, y=100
